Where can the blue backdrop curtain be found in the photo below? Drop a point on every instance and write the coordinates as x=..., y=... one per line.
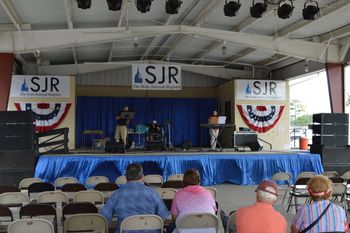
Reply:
x=186, y=115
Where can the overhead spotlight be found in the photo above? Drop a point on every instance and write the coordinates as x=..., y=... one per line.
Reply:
x=114, y=5
x=143, y=5
x=285, y=10
x=136, y=43
x=306, y=66
x=84, y=4
x=172, y=6
x=258, y=9
x=224, y=49
x=310, y=10
x=231, y=8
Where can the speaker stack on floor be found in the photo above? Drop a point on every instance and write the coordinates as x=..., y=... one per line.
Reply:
x=112, y=147
x=330, y=140
x=17, y=147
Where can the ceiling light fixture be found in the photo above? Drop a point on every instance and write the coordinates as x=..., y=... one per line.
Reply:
x=285, y=10
x=172, y=6
x=84, y=4
x=143, y=5
x=310, y=10
x=136, y=43
x=258, y=9
x=306, y=66
x=231, y=8
x=114, y=5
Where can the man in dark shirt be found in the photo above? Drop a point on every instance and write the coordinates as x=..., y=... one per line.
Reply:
x=121, y=131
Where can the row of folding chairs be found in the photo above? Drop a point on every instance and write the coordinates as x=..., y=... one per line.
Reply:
x=75, y=223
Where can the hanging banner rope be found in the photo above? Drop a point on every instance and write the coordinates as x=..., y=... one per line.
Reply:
x=48, y=115
x=260, y=118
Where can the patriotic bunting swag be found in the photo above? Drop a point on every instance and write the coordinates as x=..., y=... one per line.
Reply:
x=260, y=118
x=48, y=115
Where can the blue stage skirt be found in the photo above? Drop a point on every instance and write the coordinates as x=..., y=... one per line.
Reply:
x=245, y=169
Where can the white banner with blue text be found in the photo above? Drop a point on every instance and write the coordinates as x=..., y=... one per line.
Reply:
x=247, y=89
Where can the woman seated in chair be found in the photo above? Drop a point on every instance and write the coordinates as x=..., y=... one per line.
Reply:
x=193, y=198
x=321, y=215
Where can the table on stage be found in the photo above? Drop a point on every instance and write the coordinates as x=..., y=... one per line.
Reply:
x=221, y=127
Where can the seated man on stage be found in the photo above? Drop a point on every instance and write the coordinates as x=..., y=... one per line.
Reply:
x=214, y=132
x=154, y=132
x=121, y=131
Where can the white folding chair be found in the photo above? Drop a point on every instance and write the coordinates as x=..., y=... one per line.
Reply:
x=31, y=226
x=213, y=191
x=231, y=222
x=166, y=193
x=283, y=177
x=53, y=197
x=24, y=184
x=93, y=196
x=199, y=222
x=330, y=174
x=305, y=175
x=153, y=179
x=86, y=223
x=15, y=198
x=92, y=181
x=346, y=175
x=121, y=180
x=176, y=177
x=142, y=222
x=60, y=181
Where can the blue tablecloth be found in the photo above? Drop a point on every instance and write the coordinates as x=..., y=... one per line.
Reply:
x=243, y=169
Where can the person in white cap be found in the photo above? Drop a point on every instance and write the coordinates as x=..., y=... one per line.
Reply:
x=262, y=217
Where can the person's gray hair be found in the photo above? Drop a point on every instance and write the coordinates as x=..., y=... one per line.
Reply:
x=134, y=171
x=266, y=197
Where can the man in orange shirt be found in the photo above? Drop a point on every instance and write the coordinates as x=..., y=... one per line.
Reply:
x=262, y=217
x=213, y=132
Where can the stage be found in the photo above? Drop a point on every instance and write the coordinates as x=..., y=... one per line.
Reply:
x=244, y=168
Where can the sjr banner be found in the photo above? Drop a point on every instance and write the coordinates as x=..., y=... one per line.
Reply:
x=34, y=86
x=260, y=90
x=156, y=77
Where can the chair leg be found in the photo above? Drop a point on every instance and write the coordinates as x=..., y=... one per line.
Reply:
x=289, y=202
x=284, y=196
x=296, y=204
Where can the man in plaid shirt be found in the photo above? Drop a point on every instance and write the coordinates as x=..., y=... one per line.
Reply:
x=134, y=198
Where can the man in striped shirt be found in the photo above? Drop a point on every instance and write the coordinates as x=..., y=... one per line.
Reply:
x=334, y=219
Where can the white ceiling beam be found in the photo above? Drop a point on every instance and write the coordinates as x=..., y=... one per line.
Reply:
x=52, y=39
x=345, y=48
x=239, y=55
x=11, y=13
x=210, y=8
x=68, y=5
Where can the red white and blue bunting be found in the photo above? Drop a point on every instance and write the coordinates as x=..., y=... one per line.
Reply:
x=260, y=118
x=48, y=115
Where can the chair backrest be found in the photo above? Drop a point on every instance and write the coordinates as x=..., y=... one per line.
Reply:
x=346, y=175
x=338, y=189
x=86, y=223
x=92, y=196
x=176, y=184
x=330, y=174
x=213, y=191
x=142, y=222
x=153, y=179
x=198, y=221
x=31, y=226
x=231, y=221
x=53, y=197
x=301, y=182
x=337, y=179
x=282, y=176
x=40, y=187
x=73, y=187
x=8, y=189
x=106, y=187
x=179, y=177
x=166, y=193
x=14, y=199
x=121, y=180
x=78, y=208
x=306, y=175
x=92, y=181
x=60, y=181
x=24, y=184
x=35, y=210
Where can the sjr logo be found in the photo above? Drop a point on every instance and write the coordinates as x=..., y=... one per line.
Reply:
x=262, y=88
x=37, y=85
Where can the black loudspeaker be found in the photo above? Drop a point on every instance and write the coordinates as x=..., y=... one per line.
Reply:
x=327, y=129
x=331, y=140
x=333, y=118
x=114, y=147
x=255, y=146
x=186, y=145
x=154, y=145
x=244, y=139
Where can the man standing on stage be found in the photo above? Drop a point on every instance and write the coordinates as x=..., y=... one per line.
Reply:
x=121, y=131
x=214, y=132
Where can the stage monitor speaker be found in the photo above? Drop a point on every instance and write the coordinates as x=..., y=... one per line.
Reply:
x=186, y=145
x=255, y=146
x=244, y=139
x=326, y=129
x=114, y=147
x=335, y=141
x=155, y=145
x=333, y=118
